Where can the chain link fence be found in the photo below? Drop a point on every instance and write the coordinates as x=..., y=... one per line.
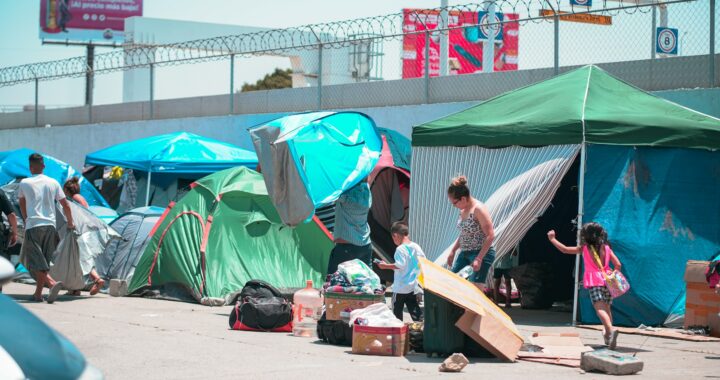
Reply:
x=415, y=56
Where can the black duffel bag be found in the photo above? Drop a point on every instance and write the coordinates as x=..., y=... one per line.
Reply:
x=261, y=308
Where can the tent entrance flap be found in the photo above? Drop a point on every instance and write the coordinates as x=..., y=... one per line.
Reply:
x=516, y=183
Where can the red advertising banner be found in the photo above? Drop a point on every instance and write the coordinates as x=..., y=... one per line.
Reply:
x=86, y=20
x=465, y=50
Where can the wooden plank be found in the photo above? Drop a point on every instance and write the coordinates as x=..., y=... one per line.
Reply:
x=661, y=333
x=563, y=362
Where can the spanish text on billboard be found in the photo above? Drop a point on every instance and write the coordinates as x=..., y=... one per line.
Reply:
x=86, y=20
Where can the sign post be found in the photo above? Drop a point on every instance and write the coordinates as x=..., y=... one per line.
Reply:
x=666, y=41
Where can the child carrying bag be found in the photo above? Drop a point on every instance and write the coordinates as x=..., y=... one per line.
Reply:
x=615, y=282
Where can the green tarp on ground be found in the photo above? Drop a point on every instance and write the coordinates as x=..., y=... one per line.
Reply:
x=224, y=232
x=552, y=113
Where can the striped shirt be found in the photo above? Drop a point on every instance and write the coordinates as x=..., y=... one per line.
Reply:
x=351, y=215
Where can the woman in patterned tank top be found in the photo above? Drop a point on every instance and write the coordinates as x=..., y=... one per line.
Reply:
x=476, y=233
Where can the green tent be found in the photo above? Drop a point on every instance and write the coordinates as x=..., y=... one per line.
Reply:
x=224, y=232
x=588, y=146
x=560, y=110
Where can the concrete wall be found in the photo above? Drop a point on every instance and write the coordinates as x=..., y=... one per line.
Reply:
x=706, y=101
x=658, y=75
x=73, y=142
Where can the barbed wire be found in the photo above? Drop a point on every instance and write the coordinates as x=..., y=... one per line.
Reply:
x=331, y=35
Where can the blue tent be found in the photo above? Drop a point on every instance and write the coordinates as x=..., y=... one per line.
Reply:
x=309, y=159
x=21, y=335
x=14, y=164
x=179, y=153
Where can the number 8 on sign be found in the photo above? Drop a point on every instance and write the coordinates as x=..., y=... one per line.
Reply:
x=666, y=41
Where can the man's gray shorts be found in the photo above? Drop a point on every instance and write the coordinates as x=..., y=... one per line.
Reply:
x=38, y=248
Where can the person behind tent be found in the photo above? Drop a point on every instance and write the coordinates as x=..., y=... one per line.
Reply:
x=476, y=233
x=37, y=196
x=8, y=236
x=502, y=270
x=352, y=231
x=407, y=269
x=595, y=249
x=71, y=188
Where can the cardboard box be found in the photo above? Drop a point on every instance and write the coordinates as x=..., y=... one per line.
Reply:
x=338, y=305
x=483, y=321
x=702, y=303
x=695, y=271
x=383, y=341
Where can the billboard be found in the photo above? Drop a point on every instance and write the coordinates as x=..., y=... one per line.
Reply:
x=465, y=44
x=86, y=20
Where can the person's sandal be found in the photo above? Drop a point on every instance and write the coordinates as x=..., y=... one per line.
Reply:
x=54, y=292
x=95, y=289
x=613, y=339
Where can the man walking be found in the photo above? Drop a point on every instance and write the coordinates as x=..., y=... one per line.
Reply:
x=37, y=196
x=352, y=231
x=8, y=236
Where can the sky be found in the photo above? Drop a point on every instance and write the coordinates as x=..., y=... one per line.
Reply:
x=629, y=38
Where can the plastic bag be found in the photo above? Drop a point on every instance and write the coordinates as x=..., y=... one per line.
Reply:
x=375, y=315
x=66, y=263
x=359, y=274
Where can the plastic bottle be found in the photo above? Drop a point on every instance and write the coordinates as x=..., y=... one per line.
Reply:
x=308, y=310
x=466, y=272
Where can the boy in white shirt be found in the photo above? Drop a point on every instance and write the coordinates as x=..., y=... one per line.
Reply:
x=407, y=269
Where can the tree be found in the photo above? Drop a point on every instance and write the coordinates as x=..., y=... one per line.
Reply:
x=278, y=79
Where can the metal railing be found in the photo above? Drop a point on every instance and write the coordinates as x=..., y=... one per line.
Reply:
x=551, y=34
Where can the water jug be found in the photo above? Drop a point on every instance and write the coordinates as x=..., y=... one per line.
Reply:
x=308, y=305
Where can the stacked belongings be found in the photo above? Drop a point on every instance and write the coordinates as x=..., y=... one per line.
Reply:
x=353, y=286
x=376, y=331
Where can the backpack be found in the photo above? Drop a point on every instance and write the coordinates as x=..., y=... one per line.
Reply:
x=261, y=307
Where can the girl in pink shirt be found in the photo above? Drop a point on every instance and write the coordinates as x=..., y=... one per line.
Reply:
x=594, y=242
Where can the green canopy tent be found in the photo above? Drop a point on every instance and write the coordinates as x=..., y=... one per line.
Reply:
x=224, y=232
x=642, y=172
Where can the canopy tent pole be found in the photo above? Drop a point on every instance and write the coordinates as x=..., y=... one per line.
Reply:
x=581, y=199
x=147, y=189
x=581, y=211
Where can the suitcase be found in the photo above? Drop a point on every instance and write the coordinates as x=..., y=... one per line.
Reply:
x=440, y=335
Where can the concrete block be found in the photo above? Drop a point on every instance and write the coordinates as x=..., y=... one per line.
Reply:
x=118, y=288
x=610, y=362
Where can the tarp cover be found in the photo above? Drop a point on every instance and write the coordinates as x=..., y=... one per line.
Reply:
x=121, y=256
x=14, y=164
x=89, y=239
x=552, y=113
x=669, y=214
x=179, y=152
x=309, y=159
x=224, y=232
x=517, y=184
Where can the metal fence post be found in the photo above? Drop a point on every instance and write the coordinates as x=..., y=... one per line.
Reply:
x=556, y=57
x=320, y=77
x=712, y=43
x=37, y=88
x=152, y=90
x=427, y=66
x=232, y=82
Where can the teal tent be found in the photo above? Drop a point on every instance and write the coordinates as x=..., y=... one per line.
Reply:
x=309, y=159
x=162, y=160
